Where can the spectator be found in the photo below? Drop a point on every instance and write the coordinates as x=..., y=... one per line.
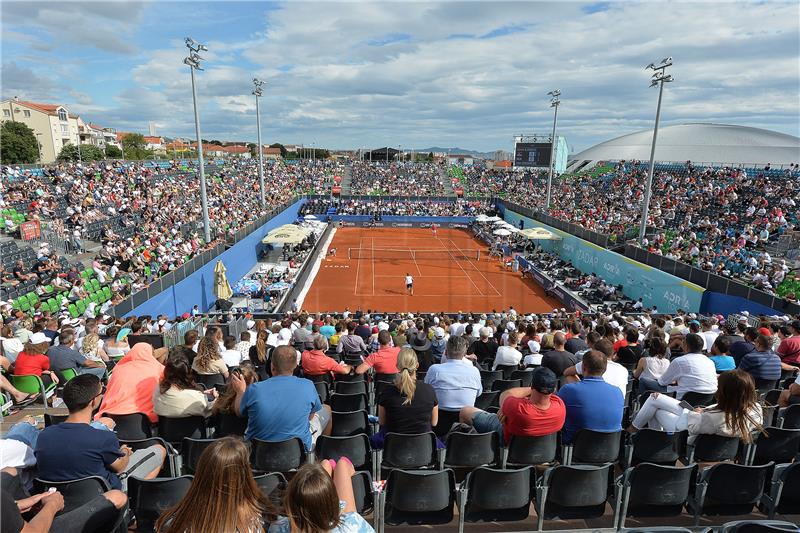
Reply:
x=92, y=349
x=32, y=361
x=691, y=372
x=320, y=498
x=762, y=363
x=189, y=342
x=73, y=449
x=328, y=329
x=615, y=373
x=719, y=354
x=422, y=347
x=384, y=361
x=258, y=354
x=485, y=347
x=653, y=365
x=409, y=406
x=741, y=348
x=178, y=395
x=351, y=344
x=591, y=403
x=736, y=412
x=508, y=353
x=284, y=406
x=575, y=343
x=438, y=345
x=131, y=385
x=64, y=356
x=10, y=345
x=791, y=395
x=224, y=404
x=223, y=495
x=524, y=412
x=316, y=363
x=789, y=348
x=117, y=343
x=455, y=382
x=628, y=355
x=558, y=359
x=363, y=330
x=230, y=355
x=100, y=513
x=209, y=361
x=243, y=346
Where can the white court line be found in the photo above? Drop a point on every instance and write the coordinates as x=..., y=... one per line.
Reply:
x=358, y=268
x=373, y=266
x=423, y=276
x=479, y=272
x=459, y=266
x=415, y=261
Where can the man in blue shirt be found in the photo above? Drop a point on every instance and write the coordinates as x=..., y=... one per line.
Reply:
x=591, y=403
x=456, y=381
x=762, y=363
x=741, y=348
x=75, y=449
x=284, y=406
x=65, y=356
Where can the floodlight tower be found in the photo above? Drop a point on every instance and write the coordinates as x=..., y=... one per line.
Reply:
x=659, y=78
x=258, y=92
x=554, y=103
x=193, y=61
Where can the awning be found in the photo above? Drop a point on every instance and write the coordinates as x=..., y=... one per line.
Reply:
x=539, y=234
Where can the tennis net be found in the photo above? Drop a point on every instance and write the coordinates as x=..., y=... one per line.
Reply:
x=412, y=255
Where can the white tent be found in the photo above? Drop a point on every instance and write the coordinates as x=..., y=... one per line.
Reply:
x=502, y=232
x=286, y=234
x=540, y=234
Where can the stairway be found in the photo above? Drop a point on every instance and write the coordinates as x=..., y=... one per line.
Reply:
x=347, y=180
x=447, y=182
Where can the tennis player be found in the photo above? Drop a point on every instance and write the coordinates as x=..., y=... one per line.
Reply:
x=433, y=228
x=409, y=284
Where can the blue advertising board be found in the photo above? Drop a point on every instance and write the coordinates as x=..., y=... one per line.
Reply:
x=656, y=288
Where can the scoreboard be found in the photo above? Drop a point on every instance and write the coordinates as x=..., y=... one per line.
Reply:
x=527, y=154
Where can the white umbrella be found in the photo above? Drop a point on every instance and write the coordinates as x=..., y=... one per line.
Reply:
x=492, y=219
x=499, y=222
x=502, y=232
x=310, y=217
x=286, y=234
x=512, y=229
x=540, y=234
x=481, y=218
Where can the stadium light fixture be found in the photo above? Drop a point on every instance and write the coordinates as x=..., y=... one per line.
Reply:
x=258, y=92
x=193, y=62
x=659, y=78
x=554, y=103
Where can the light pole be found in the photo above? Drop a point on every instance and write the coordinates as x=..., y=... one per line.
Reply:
x=193, y=61
x=39, y=147
x=258, y=92
x=554, y=103
x=659, y=78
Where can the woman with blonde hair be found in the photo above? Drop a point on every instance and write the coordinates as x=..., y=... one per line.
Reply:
x=208, y=360
x=408, y=407
x=91, y=348
x=259, y=354
x=223, y=496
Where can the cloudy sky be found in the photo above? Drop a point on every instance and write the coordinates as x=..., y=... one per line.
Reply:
x=416, y=74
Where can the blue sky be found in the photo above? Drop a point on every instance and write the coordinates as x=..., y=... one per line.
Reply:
x=348, y=75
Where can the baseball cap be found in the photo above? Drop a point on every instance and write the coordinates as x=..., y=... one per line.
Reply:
x=544, y=380
x=185, y=316
x=438, y=333
x=510, y=326
x=765, y=331
x=39, y=338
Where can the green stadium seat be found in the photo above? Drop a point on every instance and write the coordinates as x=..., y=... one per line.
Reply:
x=96, y=284
x=107, y=293
x=73, y=311
x=51, y=305
x=33, y=298
x=32, y=385
x=81, y=306
x=23, y=304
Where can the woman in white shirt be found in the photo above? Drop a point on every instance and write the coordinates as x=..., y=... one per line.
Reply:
x=508, y=355
x=654, y=364
x=178, y=395
x=11, y=345
x=736, y=413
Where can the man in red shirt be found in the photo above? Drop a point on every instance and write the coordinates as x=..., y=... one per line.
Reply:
x=525, y=412
x=384, y=360
x=316, y=363
x=789, y=348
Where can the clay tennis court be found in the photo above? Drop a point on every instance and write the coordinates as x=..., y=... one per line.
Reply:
x=370, y=266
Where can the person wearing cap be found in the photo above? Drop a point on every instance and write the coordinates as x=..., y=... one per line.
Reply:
x=456, y=381
x=384, y=360
x=485, y=347
x=32, y=361
x=762, y=363
x=591, y=403
x=64, y=356
x=422, y=347
x=524, y=412
x=438, y=345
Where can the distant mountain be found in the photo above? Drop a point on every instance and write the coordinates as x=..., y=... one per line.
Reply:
x=473, y=153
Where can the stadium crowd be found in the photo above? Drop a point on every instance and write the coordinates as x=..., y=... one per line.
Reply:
x=397, y=207
x=396, y=179
x=505, y=373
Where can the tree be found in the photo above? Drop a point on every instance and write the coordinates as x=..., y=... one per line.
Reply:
x=282, y=147
x=88, y=152
x=18, y=144
x=113, y=152
x=253, y=149
x=135, y=146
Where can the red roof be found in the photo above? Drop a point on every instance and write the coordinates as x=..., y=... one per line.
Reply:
x=153, y=140
x=271, y=151
x=50, y=109
x=237, y=149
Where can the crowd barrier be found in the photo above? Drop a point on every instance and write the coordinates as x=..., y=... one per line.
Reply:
x=572, y=302
x=400, y=222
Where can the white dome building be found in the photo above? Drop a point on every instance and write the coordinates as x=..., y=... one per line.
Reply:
x=699, y=143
